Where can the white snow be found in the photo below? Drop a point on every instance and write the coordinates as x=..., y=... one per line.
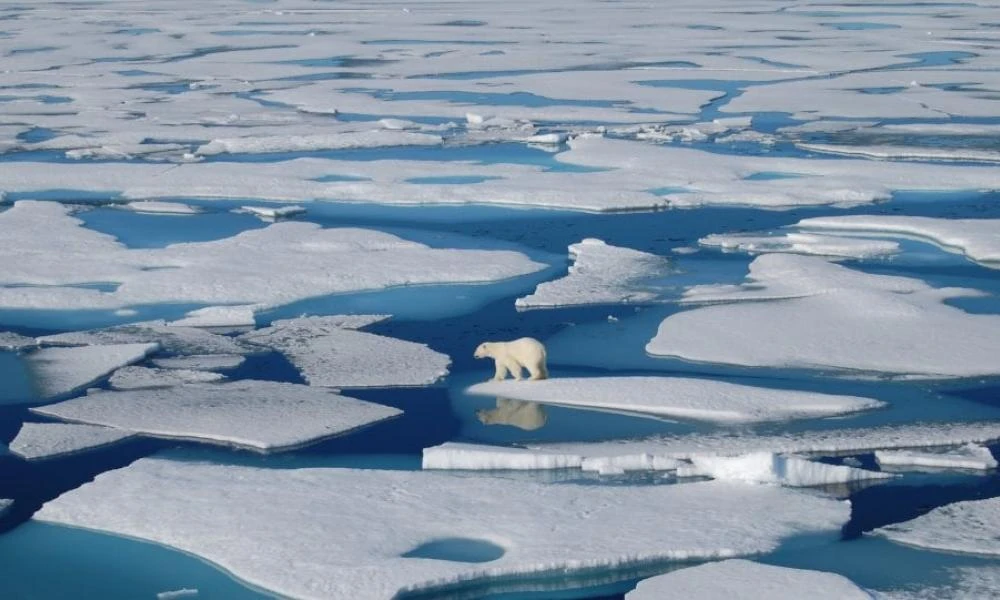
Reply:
x=770, y=468
x=59, y=371
x=320, y=521
x=134, y=378
x=271, y=213
x=218, y=316
x=49, y=251
x=964, y=583
x=335, y=141
x=600, y=274
x=176, y=339
x=37, y=441
x=968, y=527
x=259, y=415
x=174, y=594
x=14, y=341
x=329, y=352
x=476, y=457
x=201, y=362
x=159, y=207
x=801, y=243
x=969, y=456
x=679, y=397
x=891, y=152
x=978, y=239
x=738, y=579
x=805, y=312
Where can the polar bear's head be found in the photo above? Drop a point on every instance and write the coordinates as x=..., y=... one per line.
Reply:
x=483, y=350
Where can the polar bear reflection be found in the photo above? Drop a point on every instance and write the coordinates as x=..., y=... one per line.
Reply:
x=524, y=353
x=528, y=416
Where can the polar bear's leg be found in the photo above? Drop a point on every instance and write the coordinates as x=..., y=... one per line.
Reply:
x=515, y=369
x=501, y=372
x=538, y=371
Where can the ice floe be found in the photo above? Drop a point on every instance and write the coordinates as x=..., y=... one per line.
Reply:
x=5, y=505
x=476, y=457
x=276, y=265
x=969, y=456
x=282, y=143
x=320, y=520
x=801, y=243
x=600, y=274
x=59, y=371
x=175, y=339
x=330, y=352
x=15, y=341
x=739, y=579
x=159, y=207
x=219, y=316
x=805, y=312
x=36, y=441
x=679, y=397
x=907, y=152
x=963, y=583
x=134, y=378
x=259, y=415
x=966, y=527
x=272, y=213
x=978, y=239
x=201, y=362
x=767, y=467
x=819, y=442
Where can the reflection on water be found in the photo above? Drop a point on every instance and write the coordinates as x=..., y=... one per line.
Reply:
x=528, y=416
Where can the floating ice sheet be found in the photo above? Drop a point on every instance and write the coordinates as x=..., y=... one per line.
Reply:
x=965, y=527
x=201, y=362
x=802, y=243
x=271, y=213
x=14, y=341
x=134, y=378
x=767, y=467
x=979, y=239
x=158, y=207
x=218, y=316
x=329, y=352
x=49, y=252
x=679, y=397
x=969, y=456
x=476, y=457
x=805, y=312
x=739, y=579
x=260, y=415
x=907, y=152
x=177, y=339
x=320, y=520
x=59, y=371
x=964, y=583
x=36, y=441
x=368, y=139
x=600, y=274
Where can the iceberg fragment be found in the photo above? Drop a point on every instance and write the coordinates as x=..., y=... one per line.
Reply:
x=37, y=441
x=59, y=371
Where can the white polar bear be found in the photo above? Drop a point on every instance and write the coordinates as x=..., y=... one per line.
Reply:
x=525, y=353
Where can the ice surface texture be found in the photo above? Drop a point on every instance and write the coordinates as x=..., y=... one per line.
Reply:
x=966, y=527
x=321, y=520
x=969, y=456
x=37, y=441
x=59, y=371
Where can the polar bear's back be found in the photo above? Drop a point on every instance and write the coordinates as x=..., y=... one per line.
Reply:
x=527, y=346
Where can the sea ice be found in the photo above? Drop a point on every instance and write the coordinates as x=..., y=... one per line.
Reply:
x=259, y=415
x=36, y=441
x=171, y=338
x=201, y=362
x=964, y=583
x=135, y=378
x=894, y=152
x=969, y=456
x=335, y=141
x=600, y=274
x=329, y=352
x=218, y=316
x=965, y=527
x=802, y=243
x=320, y=520
x=679, y=397
x=738, y=579
x=5, y=505
x=805, y=312
x=59, y=371
x=476, y=457
x=272, y=213
x=157, y=207
x=14, y=341
x=767, y=467
x=979, y=239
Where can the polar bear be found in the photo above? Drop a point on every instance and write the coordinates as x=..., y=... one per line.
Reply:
x=528, y=416
x=527, y=353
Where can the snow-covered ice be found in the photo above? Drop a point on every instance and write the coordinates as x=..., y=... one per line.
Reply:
x=476, y=457
x=968, y=527
x=271, y=213
x=805, y=312
x=330, y=352
x=978, y=239
x=260, y=415
x=320, y=520
x=175, y=594
x=801, y=243
x=15, y=341
x=964, y=583
x=201, y=362
x=170, y=338
x=969, y=456
x=739, y=579
x=284, y=143
x=767, y=467
x=218, y=316
x=37, y=441
x=135, y=378
x=59, y=371
x=907, y=152
x=679, y=397
x=160, y=207
x=600, y=274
